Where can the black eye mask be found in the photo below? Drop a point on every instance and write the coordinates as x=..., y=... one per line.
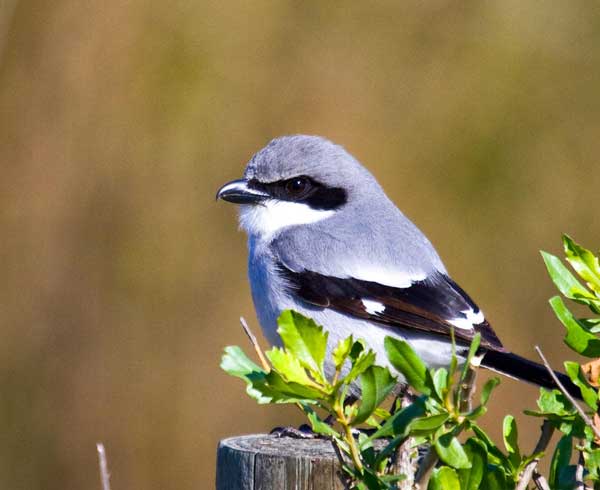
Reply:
x=305, y=190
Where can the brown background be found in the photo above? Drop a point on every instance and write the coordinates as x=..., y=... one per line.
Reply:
x=121, y=279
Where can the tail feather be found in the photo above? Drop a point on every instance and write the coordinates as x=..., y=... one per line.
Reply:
x=518, y=367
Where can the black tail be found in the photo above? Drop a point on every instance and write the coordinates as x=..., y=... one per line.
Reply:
x=518, y=367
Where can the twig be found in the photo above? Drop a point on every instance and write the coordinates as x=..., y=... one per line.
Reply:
x=353, y=450
x=465, y=396
x=344, y=478
x=579, y=473
x=467, y=388
x=426, y=468
x=584, y=416
x=254, y=342
x=405, y=457
x=405, y=464
x=540, y=481
x=104, y=474
x=542, y=444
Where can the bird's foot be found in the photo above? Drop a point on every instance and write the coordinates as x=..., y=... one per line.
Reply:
x=302, y=432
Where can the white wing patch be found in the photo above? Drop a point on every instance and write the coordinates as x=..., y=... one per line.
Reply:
x=471, y=320
x=373, y=307
x=266, y=219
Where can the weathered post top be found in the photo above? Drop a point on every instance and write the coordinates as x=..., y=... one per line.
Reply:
x=263, y=462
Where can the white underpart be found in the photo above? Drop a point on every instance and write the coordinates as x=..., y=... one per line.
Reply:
x=373, y=307
x=266, y=219
x=476, y=360
x=468, y=322
x=384, y=276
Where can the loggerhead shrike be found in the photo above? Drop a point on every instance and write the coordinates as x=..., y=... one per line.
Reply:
x=326, y=241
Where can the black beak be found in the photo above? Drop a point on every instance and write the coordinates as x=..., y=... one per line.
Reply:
x=238, y=192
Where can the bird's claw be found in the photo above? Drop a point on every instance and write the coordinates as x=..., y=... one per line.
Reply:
x=302, y=432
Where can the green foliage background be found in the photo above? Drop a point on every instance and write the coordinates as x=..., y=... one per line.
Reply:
x=121, y=280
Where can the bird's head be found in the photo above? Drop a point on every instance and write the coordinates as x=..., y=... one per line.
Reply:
x=297, y=180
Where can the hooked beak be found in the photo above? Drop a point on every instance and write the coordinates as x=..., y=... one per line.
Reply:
x=238, y=192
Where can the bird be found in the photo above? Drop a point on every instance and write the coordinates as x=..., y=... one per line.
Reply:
x=325, y=240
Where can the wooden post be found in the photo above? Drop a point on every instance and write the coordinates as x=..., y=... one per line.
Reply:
x=263, y=462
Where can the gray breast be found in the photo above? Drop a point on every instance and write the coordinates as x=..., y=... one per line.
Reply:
x=268, y=290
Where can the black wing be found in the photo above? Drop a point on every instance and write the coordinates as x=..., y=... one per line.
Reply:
x=430, y=305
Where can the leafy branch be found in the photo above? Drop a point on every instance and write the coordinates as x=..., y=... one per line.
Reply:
x=297, y=373
x=342, y=392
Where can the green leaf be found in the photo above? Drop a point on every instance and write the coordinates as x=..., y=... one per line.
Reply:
x=382, y=413
x=358, y=347
x=487, y=389
x=566, y=282
x=392, y=478
x=560, y=459
x=350, y=410
x=367, y=453
x=570, y=425
x=472, y=350
x=236, y=363
x=282, y=391
x=407, y=362
x=398, y=425
x=579, y=339
x=428, y=425
x=370, y=481
x=376, y=383
x=262, y=386
x=495, y=479
x=584, y=262
x=440, y=383
x=470, y=478
x=568, y=285
x=305, y=340
x=592, y=325
x=476, y=412
x=589, y=394
x=317, y=425
x=451, y=452
x=453, y=359
x=510, y=434
x=271, y=388
x=592, y=463
x=554, y=402
x=444, y=478
x=494, y=454
x=588, y=433
x=342, y=351
x=288, y=366
x=360, y=364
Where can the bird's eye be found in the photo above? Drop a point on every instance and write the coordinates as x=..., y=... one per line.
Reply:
x=297, y=186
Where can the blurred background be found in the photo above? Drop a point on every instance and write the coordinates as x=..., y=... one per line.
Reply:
x=121, y=279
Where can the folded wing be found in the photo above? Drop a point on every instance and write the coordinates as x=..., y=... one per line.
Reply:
x=435, y=304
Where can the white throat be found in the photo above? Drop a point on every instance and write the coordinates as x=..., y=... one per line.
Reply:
x=266, y=219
